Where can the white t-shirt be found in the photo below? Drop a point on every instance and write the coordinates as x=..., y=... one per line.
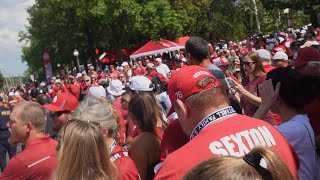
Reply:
x=296, y=132
x=163, y=69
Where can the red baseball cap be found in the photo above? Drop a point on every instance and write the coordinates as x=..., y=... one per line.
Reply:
x=304, y=55
x=221, y=61
x=62, y=102
x=185, y=83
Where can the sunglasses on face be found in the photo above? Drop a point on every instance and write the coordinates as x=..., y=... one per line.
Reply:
x=86, y=80
x=60, y=140
x=276, y=60
x=59, y=113
x=248, y=63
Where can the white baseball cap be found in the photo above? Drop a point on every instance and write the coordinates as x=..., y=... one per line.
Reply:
x=125, y=64
x=97, y=91
x=281, y=55
x=158, y=59
x=79, y=75
x=140, y=83
x=281, y=39
x=116, y=88
x=264, y=54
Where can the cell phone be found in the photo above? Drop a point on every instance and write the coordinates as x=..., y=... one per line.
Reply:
x=230, y=81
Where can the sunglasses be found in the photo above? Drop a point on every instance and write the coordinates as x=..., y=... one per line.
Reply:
x=60, y=140
x=86, y=80
x=275, y=60
x=248, y=63
x=59, y=113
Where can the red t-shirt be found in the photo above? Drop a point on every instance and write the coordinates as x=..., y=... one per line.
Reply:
x=36, y=161
x=278, y=48
x=74, y=89
x=268, y=67
x=234, y=136
x=126, y=167
x=139, y=71
x=173, y=138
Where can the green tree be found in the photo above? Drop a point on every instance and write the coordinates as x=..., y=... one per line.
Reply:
x=63, y=26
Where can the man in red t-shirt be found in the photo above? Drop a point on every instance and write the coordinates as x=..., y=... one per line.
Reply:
x=138, y=69
x=74, y=87
x=38, y=159
x=278, y=47
x=213, y=126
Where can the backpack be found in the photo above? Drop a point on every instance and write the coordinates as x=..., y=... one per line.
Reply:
x=158, y=85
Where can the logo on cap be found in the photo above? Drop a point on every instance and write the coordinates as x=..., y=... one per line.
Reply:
x=179, y=95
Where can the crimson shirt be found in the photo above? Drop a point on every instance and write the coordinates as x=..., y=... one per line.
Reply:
x=126, y=167
x=234, y=136
x=37, y=161
x=139, y=71
x=268, y=67
x=173, y=138
x=278, y=48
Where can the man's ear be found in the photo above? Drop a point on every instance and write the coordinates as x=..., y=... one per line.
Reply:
x=182, y=109
x=29, y=126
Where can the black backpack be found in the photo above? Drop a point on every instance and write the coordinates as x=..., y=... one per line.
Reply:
x=158, y=85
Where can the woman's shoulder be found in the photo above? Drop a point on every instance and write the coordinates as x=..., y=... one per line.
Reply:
x=145, y=138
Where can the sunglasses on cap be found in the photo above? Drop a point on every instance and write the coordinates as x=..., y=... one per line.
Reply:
x=60, y=140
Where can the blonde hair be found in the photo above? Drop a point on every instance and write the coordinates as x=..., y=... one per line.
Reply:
x=83, y=153
x=30, y=111
x=236, y=168
x=98, y=110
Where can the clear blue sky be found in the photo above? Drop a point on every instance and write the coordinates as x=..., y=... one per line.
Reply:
x=13, y=18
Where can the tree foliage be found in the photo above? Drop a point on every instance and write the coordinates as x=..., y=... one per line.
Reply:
x=65, y=25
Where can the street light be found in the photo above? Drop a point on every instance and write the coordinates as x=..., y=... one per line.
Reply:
x=76, y=54
x=257, y=16
x=286, y=12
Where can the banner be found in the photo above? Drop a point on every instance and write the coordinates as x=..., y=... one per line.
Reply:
x=47, y=63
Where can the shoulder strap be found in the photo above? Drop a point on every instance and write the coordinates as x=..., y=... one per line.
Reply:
x=313, y=143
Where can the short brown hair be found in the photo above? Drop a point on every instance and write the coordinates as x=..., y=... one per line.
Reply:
x=206, y=98
x=33, y=112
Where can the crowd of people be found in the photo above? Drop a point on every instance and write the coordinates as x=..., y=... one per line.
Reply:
x=224, y=110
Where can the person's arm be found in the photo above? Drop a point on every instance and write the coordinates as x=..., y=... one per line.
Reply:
x=14, y=170
x=269, y=96
x=246, y=94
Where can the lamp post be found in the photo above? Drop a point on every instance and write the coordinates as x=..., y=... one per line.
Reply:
x=286, y=12
x=257, y=16
x=76, y=54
